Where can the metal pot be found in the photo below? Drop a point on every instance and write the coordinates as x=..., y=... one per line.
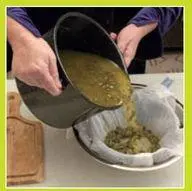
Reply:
x=73, y=31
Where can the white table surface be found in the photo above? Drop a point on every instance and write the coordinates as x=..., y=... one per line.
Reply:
x=68, y=165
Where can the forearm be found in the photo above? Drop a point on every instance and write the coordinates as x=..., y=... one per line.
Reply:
x=145, y=29
x=33, y=60
x=17, y=34
x=21, y=16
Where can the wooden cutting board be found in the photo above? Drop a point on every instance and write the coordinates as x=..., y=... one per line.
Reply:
x=25, y=148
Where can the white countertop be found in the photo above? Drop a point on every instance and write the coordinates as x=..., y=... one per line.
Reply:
x=68, y=165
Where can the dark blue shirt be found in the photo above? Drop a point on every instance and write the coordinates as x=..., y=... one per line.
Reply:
x=39, y=20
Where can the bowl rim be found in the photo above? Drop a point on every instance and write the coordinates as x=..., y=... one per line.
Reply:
x=123, y=167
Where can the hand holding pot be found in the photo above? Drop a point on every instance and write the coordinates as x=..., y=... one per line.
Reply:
x=129, y=37
x=33, y=62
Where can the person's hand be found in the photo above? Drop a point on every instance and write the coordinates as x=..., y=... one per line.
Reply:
x=129, y=37
x=34, y=62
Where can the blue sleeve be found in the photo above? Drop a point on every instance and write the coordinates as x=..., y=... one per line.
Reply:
x=20, y=15
x=151, y=46
x=165, y=17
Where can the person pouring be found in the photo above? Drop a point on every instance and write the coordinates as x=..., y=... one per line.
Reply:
x=138, y=33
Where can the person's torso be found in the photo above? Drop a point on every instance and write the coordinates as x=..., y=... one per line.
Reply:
x=112, y=19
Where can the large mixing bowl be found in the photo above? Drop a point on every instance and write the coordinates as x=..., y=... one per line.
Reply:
x=157, y=166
